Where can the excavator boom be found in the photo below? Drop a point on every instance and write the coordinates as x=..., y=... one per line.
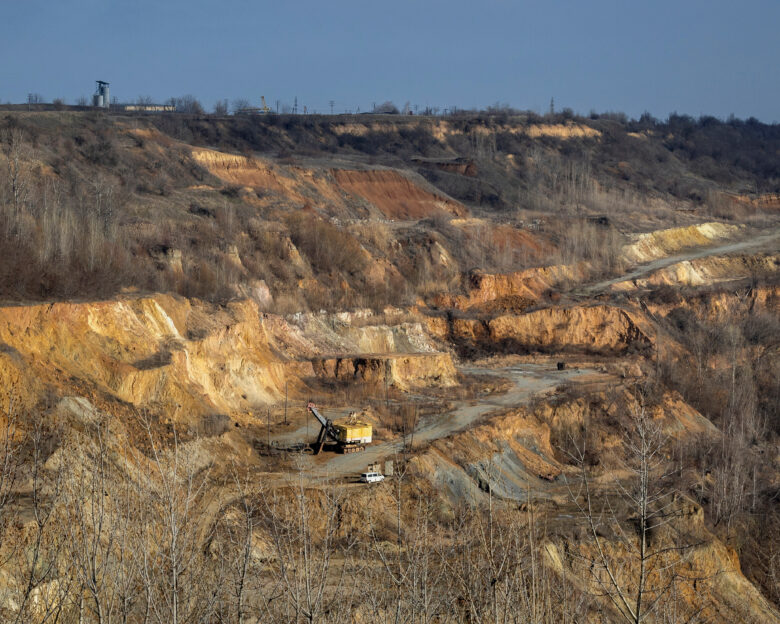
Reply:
x=313, y=409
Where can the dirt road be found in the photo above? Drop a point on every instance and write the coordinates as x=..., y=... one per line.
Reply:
x=758, y=241
x=527, y=379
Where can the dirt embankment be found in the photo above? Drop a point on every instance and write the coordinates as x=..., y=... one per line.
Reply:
x=402, y=371
x=661, y=243
x=595, y=329
x=441, y=129
x=765, y=202
x=705, y=271
x=293, y=184
x=395, y=195
x=507, y=291
x=521, y=453
x=723, y=306
x=721, y=593
x=562, y=131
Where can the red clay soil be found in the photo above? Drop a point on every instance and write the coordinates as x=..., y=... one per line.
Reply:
x=395, y=196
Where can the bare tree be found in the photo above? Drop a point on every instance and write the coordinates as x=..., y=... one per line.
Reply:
x=187, y=104
x=221, y=108
x=9, y=470
x=240, y=104
x=93, y=524
x=305, y=530
x=175, y=574
x=386, y=108
x=38, y=560
x=126, y=575
x=493, y=565
x=18, y=175
x=233, y=546
x=641, y=517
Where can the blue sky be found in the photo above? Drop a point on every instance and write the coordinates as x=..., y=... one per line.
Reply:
x=691, y=56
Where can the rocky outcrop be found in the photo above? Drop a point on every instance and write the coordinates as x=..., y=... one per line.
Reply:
x=161, y=352
x=399, y=370
x=505, y=290
x=360, y=331
x=186, y=359
x=593, y=329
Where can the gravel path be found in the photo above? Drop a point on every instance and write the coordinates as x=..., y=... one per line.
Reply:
x=527, y=379
x=650, y=267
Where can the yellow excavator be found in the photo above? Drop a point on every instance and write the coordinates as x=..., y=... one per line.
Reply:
x=264, y=107
x=348, y=434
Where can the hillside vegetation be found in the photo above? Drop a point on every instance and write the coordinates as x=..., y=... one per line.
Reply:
x=102, y=203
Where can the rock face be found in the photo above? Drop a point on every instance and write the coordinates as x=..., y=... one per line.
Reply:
x=594, y=328
x=154, y=351
x=400, y=370
x=598, y=328
x=497, y=290
x=187, y=359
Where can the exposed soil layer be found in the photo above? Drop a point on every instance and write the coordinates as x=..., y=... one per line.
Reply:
x=400, y=370
x=396, y=196
x=592, y=329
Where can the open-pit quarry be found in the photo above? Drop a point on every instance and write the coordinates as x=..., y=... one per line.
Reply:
x=571, y=396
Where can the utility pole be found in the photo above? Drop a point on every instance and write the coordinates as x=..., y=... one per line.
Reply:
x=285, y=403
x=295, y=106
x=332, y=103
x=277, y=107
x=268, y=424
x=387, y=383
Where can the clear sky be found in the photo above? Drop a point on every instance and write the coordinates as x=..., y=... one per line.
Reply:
x=691, y=56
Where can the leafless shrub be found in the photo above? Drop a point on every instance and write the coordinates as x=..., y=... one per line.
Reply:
x=584, y=240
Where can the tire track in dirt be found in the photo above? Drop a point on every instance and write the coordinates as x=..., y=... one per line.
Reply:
x=661, y=263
